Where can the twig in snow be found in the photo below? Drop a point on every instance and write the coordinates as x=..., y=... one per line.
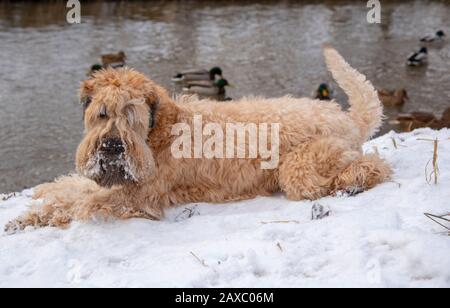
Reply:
x=280, y=222
x=435, y=158
x=431, y=140
x=394, y=182
x=437, y=219
x=394, y=142
x=279, y=247
x=375, y=149
x=202, y=262
x=187, y=213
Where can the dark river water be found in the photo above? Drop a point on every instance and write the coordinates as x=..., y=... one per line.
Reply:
x=269, y=48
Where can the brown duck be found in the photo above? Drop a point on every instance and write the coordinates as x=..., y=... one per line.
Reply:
x=418, y=119
x=393, y=98
x=114, y=59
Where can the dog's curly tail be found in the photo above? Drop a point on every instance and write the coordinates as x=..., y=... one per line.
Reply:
x=365, y=106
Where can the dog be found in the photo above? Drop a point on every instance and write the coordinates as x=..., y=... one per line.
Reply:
x=126, y=167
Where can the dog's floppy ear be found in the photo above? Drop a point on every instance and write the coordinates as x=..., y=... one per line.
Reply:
x=154, y=97
x=86, y=88
x=85, y=94
x=153, y=114
x=153, y=101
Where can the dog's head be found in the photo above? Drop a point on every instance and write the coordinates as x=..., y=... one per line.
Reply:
x=120, y=109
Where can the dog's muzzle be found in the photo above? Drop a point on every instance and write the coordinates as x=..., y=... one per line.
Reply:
x=113, y=167
x=112, y=147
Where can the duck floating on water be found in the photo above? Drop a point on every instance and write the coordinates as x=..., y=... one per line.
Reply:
x=419, y=119
x=198, y=74
x=114, y=60
x=323, y=92
x=206, y=87
x=432, y=38
x=108, y=60
x=393, y=98
x=418, y=58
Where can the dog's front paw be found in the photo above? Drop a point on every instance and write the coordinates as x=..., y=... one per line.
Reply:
x=15, y=226
x=29, y=219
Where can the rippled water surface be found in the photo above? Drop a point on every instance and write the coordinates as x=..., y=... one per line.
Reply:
x=269, y=48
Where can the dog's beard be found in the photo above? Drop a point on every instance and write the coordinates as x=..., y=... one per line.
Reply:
x=109, y=170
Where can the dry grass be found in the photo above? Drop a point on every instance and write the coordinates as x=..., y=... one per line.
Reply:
x=394, y=142
x=435, y=172
x=440, y=220
x=434, y=161
x=375, y=150
x=280, y=222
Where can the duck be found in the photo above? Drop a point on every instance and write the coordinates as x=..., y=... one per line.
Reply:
x=431, y=38
x=114, y=60
x=418, y=58
x=419, y=119
x=198, y=74
x=323, y=92
x=393, y=98
x=94, y=68
x=206, y=88
x=443, y=122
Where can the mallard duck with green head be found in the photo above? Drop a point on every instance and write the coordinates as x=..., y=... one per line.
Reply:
x=323, y=92
x=418, y=58
x=433, y=38
x=206, y=87
x=94, y=68
x=196, y=75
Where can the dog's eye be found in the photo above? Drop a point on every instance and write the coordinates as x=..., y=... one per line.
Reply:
x=85, y=102
x=103, y=114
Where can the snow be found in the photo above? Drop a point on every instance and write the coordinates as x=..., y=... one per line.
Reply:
x=379, y=238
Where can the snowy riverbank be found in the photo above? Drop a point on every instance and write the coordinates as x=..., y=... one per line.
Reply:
x=379, y=238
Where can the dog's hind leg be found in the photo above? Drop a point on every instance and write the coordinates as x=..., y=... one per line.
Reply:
x=321, y=167
x=310, y=169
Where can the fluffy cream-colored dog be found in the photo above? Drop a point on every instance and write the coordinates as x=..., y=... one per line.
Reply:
x=127, y=168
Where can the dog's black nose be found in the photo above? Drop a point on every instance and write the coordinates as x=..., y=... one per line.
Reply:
x=112, y=146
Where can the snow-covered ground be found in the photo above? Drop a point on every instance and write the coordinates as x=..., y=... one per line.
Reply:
x=379, y=238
